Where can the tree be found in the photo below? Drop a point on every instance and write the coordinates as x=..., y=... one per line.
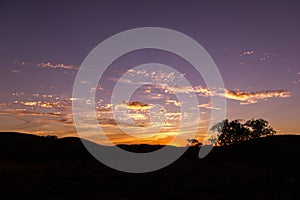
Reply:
x=230, y=132
x=194, y=142
x=51, y=137
x=259, y=127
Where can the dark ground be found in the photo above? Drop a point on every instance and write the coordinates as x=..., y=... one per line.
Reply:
x=36, y=167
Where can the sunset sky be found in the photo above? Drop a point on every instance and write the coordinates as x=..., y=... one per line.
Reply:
x=255, y=45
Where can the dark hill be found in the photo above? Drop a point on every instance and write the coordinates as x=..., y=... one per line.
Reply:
x=27, y=147
x=49, y=168
x=276, y=152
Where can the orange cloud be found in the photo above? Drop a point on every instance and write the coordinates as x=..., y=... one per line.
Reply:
x=3, y=104
x=208, y=106
x=176, y=103
x=135, y=105
x=253, y=97
x=44, y=104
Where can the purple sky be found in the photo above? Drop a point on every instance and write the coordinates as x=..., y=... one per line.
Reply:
x=255, y=45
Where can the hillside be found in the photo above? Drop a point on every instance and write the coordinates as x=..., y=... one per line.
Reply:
x=39, y=167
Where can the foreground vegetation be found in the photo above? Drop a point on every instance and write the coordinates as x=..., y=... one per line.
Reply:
x=230, y=132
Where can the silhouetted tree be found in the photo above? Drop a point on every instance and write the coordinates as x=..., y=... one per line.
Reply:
x=259, y=127
x=234, y=131
x=194, y=142
x=51, y=137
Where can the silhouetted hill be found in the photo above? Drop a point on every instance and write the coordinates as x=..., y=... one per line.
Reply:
x=141, y=148
x=48, y=168
x=278, y=152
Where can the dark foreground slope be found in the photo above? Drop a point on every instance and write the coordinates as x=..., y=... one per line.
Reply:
x=47, y=168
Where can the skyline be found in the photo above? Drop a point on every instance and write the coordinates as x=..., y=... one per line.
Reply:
x=255, y=46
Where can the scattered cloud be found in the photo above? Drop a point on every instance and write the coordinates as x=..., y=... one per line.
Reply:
x=153, y=77
x=100, y=88
x=138, y=116
x=239, y=95
x=248, y=52
x=15, y=71
x=268, y=55
x=155, y=96
x=159, y=76
x=208, y=106
x=135, y=105
x=200, y=90
x=244, y=97
x=33, y=108
x=47, y=65
x=176, y=103
x=85, y=82
x=56, y=66
x=3, y=104
x=18, y=94
x=44, y=104
x=297, y=81
x=148, y=90
x=249, y=55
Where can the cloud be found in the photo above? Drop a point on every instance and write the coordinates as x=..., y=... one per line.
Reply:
x=148, y=90
x=201, y=90
x=138, y=105
x=176, y=103
x=18, y=94
x=253, y=97
x=239, y=95
x=28, y=119
x=85, y=82
x=155, y=96
x=153, y=77
x=3, y=104
x=248, y=52
x=208, y=106
x=268, y=55
x=56, y=66
x=48, y=65
x=297, y=81
x=137, y=116
x=156, y=76
x=44, y=104
x=133, y=105
x=15, y=71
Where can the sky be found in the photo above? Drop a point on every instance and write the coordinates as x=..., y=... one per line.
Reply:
x=255, y=45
